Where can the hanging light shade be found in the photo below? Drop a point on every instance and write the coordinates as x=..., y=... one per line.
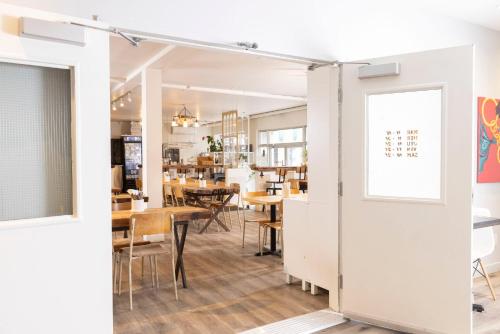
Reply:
x=185, y=119
x=122, y=104
x=113, y=106
x=129, y=97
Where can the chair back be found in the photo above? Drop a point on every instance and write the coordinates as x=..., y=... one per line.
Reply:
x=149, y=223
x=483, y=239
x=281, y=174
x=236, y=188
x=302, y=170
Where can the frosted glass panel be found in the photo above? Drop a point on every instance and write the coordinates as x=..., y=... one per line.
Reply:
x=404, y=144
x=35, y=142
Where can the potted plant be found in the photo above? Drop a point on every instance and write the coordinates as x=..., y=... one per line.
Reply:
x=137, y=203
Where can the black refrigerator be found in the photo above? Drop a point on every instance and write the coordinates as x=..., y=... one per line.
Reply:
x=127, y=151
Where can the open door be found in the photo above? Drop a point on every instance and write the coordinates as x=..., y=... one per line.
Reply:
x=407, y=181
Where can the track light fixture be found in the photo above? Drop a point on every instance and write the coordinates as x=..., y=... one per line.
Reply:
x=119, y=101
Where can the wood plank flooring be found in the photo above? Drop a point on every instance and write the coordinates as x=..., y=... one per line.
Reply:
x=229, y=290
x=487, y=322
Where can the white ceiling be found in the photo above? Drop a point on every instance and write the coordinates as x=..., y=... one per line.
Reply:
x=482, y=12
x=207, y=69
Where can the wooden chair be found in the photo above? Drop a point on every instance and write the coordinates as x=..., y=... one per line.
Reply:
x=148, y=224
x=230, y=206
x=178, y=195
x=281, y=172
x=168, y=196
x=246, y=219
x=277, y=225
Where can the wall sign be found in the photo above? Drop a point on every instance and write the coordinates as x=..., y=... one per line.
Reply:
x=488, y=132
x=404, y=144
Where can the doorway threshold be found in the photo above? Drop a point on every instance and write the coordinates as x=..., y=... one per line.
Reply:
x=303, y=324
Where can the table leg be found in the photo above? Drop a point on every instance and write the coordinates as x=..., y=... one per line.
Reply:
x=215, y=214
x=179, y=264
x=273, y=231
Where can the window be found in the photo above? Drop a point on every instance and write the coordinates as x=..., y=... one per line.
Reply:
x=404, y=144
x=35, y=142
x=283, y=147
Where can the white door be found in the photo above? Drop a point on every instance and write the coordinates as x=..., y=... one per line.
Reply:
x=406, y=208
x=56, y=268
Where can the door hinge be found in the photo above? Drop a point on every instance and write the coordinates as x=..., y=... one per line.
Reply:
x=341, y=189
x=340, y=93
x=341, y=281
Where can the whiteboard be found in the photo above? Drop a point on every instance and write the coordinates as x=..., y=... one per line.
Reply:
x=404, y=144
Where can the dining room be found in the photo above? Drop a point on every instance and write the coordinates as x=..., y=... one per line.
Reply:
x=230, y=147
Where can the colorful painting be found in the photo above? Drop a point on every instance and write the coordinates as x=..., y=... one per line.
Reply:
x=488, y=150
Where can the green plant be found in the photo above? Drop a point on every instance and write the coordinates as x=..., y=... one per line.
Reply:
x=213, y=144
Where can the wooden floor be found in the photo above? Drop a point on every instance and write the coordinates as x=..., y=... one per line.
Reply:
x=489, y=320
x=230, y=290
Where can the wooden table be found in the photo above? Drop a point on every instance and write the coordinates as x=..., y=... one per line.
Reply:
x=199, y=194
x=122, y=198
x=183, y=215
x=272, y=201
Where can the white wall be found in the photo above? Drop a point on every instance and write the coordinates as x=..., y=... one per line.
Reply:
x=119, y=128
x=290, y=119
x=56, y=273
x=190, y=146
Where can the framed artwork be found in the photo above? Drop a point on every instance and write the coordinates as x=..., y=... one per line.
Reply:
x=488, y=139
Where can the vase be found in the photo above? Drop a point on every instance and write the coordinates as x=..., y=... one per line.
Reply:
x=138, y=205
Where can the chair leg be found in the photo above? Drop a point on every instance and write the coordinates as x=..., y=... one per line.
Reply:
x=239, y=216
x=487, y=277
x=156, y=270
x=130, y=283
x=243, y=242
x=265, y=237
x=152, y=272
x=120, y=277
x=230, y=219
x=260, y=246
x=142, y=268
x=173, y=268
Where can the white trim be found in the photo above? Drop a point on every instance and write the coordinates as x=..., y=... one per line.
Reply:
x=38, y=222
x=234, y=92
x=402, y=89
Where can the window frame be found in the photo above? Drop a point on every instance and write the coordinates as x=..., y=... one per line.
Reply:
x=269, y=146
x=74, y=67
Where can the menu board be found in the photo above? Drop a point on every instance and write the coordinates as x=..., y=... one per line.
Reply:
x=404, y=144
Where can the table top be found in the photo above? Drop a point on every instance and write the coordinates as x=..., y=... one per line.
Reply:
x=120, y=198
x=269, y=200
x=482, y=222
x=121, y=218
x=208, y=190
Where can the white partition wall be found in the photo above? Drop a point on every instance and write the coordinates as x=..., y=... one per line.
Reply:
x=322, y=156
x=406, y=209
x=56, y=271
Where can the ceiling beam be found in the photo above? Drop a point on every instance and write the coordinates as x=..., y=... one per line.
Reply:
x=234, y=92
x=131, y=75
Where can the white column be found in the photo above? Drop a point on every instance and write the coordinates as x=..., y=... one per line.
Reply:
x=152, y=126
